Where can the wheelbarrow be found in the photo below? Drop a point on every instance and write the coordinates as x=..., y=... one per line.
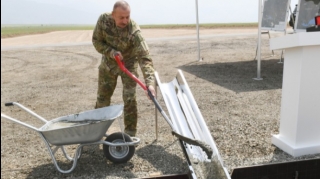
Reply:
x=85, y=128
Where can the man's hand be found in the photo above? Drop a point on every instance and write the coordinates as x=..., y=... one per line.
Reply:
x=152, y=90
x=114, y=53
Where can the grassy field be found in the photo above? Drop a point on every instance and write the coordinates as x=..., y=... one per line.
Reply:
x=19, y=30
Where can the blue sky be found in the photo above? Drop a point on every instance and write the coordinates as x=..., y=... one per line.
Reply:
x=142, y=11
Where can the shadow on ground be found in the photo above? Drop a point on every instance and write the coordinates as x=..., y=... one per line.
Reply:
x=92, y=164
x=238, y=76
x=159, y=158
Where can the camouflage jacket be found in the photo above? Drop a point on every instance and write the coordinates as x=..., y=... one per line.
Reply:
x=108, y=38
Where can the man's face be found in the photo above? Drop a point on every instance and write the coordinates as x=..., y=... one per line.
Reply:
x=121, y=17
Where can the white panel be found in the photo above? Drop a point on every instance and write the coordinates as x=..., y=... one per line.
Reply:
x=275, y=15
x=307, y=10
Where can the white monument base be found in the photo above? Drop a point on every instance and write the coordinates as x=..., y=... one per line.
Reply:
x=299, y=132
x=292, y=149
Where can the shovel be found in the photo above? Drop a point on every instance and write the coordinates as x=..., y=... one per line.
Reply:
x=204, y=146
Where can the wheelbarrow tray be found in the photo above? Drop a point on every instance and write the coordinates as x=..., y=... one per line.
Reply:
x=85, y=127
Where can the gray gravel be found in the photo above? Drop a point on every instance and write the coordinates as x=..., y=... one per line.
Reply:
x=242, y=114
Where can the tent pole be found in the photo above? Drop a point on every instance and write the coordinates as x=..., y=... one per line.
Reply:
x=259, y=43
x=199, y=59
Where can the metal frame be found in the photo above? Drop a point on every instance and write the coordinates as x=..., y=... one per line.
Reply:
x=198, y=38
x=260, y=7
x=266, y=32
x=259, y=43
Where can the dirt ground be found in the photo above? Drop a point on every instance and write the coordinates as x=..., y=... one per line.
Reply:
x=55, y=74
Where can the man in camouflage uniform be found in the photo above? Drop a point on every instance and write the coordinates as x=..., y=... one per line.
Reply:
x=116, y=34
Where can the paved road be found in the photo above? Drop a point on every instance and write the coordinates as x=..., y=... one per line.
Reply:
x=74, y=38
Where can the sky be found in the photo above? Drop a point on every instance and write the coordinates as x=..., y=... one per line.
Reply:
x=142, y=11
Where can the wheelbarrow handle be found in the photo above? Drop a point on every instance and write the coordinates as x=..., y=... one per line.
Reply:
x=9, y=104
x=18, y=121
x=26, y=109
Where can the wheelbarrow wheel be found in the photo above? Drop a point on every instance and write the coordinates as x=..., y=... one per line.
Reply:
x=118, y=154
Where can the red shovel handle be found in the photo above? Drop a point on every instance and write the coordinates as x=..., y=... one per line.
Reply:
x=125, y=70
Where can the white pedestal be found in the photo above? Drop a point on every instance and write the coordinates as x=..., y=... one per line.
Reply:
x=299, y=132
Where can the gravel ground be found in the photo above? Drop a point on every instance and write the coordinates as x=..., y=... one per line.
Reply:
x=241, y=113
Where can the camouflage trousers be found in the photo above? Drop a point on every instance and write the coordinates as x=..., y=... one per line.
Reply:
x=107, y=81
